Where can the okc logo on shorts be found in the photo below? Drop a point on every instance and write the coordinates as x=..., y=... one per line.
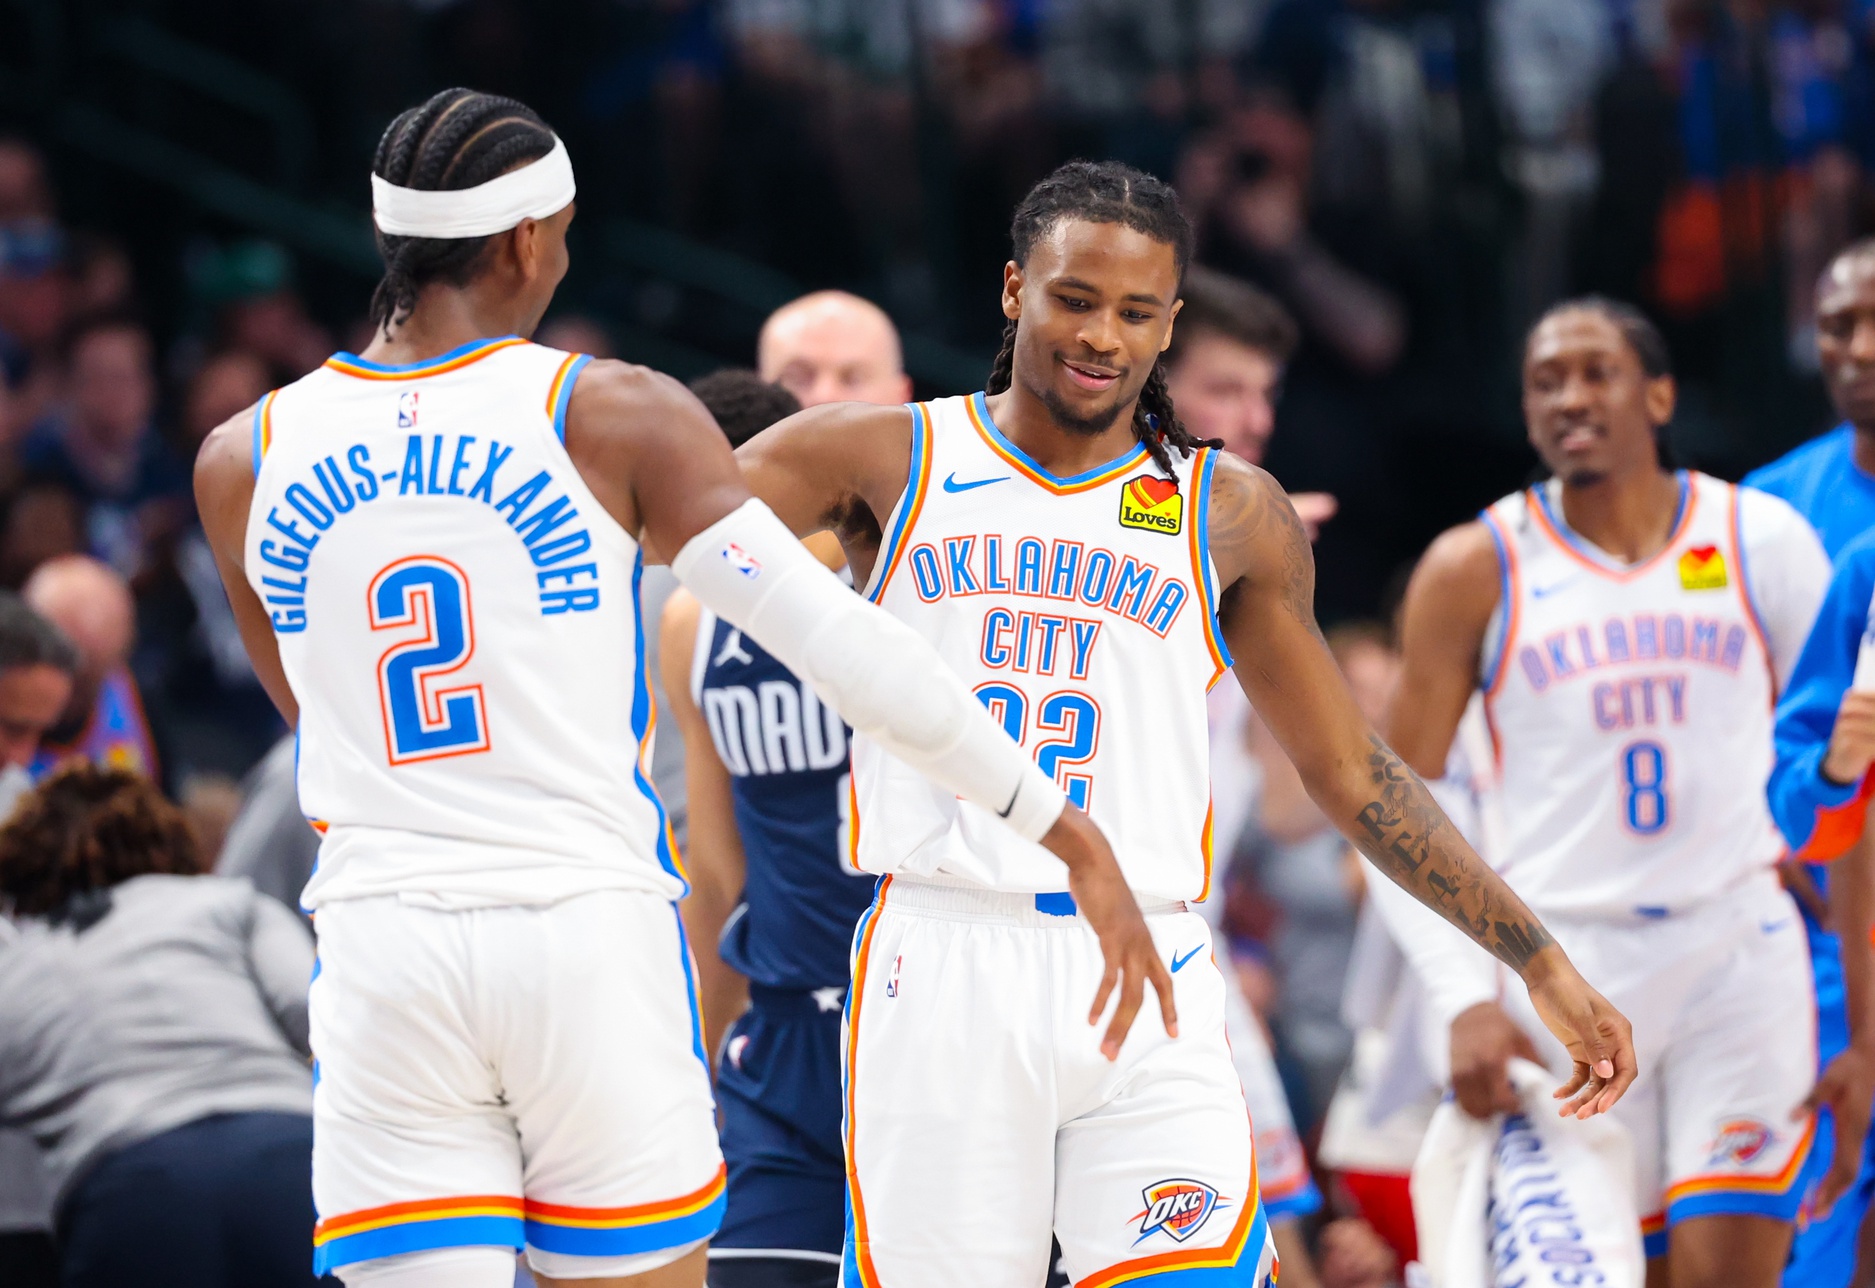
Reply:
x=1740, y=1140
x=742, y=561
x=407, y=409
x=1177, y=1207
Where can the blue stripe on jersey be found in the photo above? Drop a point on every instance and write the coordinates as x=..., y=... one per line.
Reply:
x=641, y=723
x=417, y=368
x=908, y=504
x=1201, y=498
x=566, y=394
x=1504, y=592
x=1002, y=440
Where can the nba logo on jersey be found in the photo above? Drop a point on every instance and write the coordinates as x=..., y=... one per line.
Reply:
x=1702, y=568
x=1152, y=504
x=1177, y=1207
x=407, y=409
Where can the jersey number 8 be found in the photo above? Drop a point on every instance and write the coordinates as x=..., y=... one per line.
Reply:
x=1644, y=804
x=425, y=718
x=1071, y=715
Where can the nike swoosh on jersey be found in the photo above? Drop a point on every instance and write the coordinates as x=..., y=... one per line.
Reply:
x=1178, y=962
x=952, y=485
x=1544, y=592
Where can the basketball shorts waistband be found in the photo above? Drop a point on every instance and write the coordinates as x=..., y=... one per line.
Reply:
x=973, y=903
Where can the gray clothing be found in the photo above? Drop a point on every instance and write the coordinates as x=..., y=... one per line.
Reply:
x=270, y=842
x=187, y=999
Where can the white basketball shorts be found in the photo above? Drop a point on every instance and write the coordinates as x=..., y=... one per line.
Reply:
x=981, y=1116
x=1724, y=1014
x=511, y=1076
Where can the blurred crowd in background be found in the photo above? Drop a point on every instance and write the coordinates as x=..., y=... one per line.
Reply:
x=1415, y=180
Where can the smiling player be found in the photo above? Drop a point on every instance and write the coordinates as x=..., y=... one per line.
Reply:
x=1630, y=626
x=1089, y=569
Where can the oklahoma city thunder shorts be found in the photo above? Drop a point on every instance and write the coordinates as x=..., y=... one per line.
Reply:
x=1723, y=1007
x=516, y=1076
x=981, y=1115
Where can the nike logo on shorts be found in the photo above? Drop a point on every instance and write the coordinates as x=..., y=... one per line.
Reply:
x=1178, y=962
x=952, y=485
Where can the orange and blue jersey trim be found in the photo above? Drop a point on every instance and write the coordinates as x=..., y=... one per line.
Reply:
x=858, y=1270
x=1204, y=576
x=350, y=364
x=1510, y=595
x=458, y=1221
x=910, y=505
x=1838, y=827
x=644, y=720
x=560, y=391
x=690, y=991
x=622, y=1231
x=1777, y=1196
x=263, y=428
x=1232, y=1264
x=1553, y=525
x=1027, y=466
x=1736, y=530
x=1205, y=844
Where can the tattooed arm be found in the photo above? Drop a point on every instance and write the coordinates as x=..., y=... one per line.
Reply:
x=1268, y=617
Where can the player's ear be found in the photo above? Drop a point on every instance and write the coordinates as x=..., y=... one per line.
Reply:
x=1012, y=290
x=1170, y=321
x=1662, y=393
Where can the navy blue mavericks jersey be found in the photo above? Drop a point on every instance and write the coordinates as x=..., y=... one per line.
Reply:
x=786, y=754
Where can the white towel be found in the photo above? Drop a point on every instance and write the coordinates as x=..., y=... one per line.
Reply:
x=1528, y=1199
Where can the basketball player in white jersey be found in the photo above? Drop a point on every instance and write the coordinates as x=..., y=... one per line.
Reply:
x=1629, y=627
x=433, y=551
x=1089, y=572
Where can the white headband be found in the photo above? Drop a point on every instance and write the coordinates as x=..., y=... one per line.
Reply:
x=535, y=191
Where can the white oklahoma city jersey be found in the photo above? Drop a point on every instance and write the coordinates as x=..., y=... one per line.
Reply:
x=1080, y=610
x=1631, y=705
x=458, y=618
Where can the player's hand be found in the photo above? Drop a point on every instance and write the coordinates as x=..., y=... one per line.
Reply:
x=1484, y=1039
x=1103, y=897
x=1846, y=1089
x=1852, y=742
x=1598, y=1037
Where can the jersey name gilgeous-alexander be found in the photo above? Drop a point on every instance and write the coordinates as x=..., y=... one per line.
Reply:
x=1080, y=610
x=1631, y=708
x=457, y=616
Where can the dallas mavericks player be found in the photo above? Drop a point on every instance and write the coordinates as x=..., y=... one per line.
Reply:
x=433, y=551
x=1831, y=482
x=1629, y=627
x=767, y=767
x=1085, y=569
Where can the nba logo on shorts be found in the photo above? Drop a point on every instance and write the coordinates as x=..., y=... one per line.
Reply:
x=407, y=409
x=742, y=561
x=1178, y=1207
x=891, y=985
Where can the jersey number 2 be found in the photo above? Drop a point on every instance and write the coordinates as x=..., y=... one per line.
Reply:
x=1074, y=716
x=426, y=718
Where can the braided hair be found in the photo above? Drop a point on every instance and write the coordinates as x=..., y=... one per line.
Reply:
x=1107, y=192
x=456, y=139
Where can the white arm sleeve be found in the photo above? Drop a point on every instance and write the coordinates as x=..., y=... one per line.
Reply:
x=1786, y=574
x=887, y=681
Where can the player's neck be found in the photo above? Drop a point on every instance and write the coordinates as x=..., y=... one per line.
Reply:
x=446, y=318
x=1862, y=450
x=1025, y=421
x=1629, y=516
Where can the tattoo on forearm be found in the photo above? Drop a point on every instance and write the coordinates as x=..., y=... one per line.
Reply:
x=1409, y=838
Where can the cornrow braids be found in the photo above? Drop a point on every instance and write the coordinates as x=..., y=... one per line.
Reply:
x=456, y=139
x=1107, y=192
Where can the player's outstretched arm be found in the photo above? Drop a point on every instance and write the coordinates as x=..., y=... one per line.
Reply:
x=224, y=489
x=1268, y=615
x=655, y=459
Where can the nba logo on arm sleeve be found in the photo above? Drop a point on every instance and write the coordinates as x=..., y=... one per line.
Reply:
x=1152, y=504
x=742, y=561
